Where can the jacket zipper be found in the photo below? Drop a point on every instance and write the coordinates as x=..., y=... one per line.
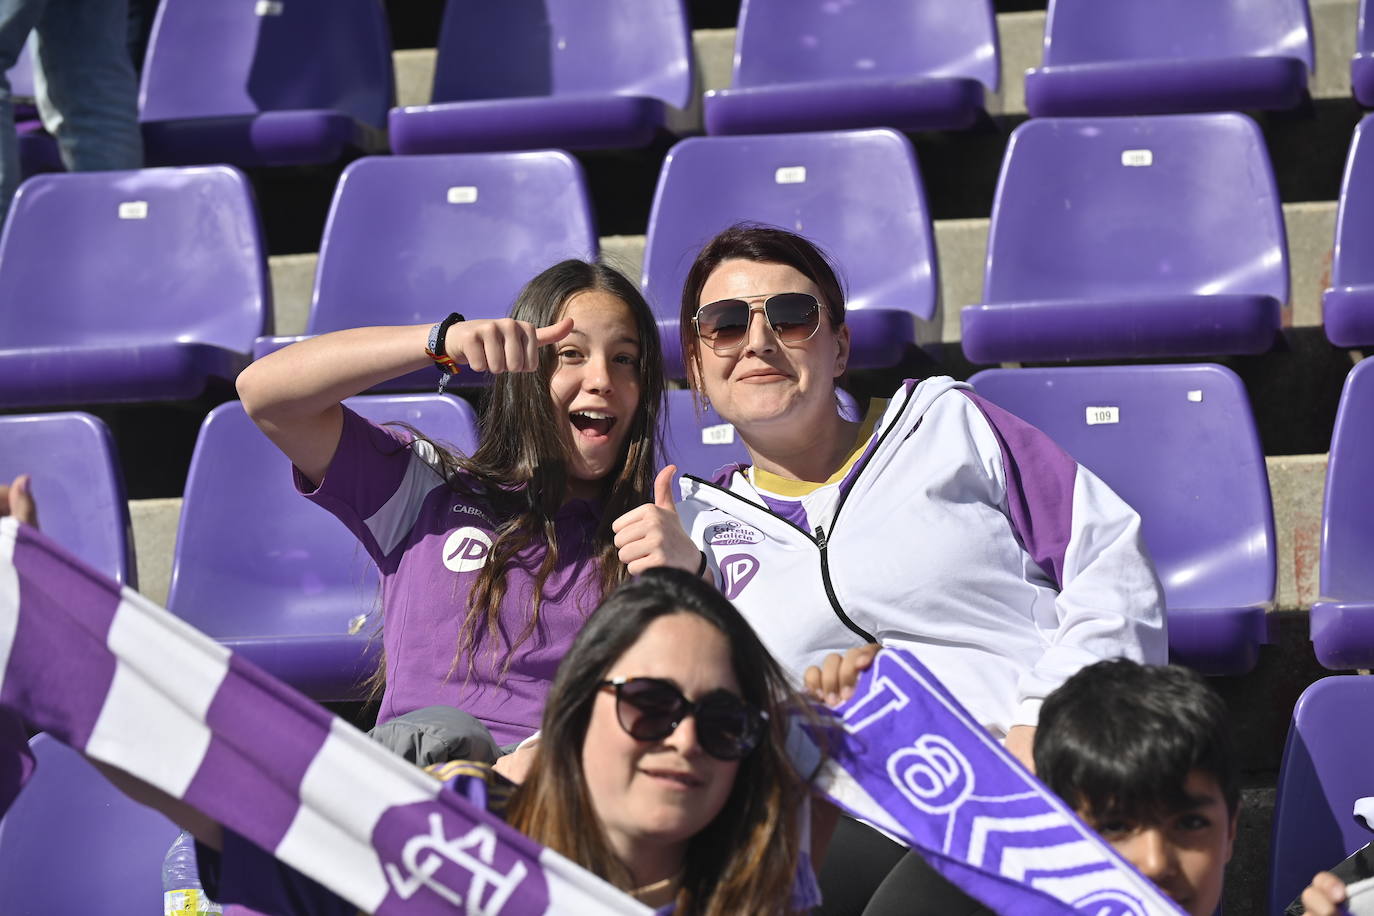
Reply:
x=823, y=543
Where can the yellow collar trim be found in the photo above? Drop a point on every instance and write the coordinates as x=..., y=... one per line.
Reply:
x=783, y=486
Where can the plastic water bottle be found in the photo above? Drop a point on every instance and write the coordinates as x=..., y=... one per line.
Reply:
x=182, y=894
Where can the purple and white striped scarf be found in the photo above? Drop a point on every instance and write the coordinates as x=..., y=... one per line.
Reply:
x=106, y=671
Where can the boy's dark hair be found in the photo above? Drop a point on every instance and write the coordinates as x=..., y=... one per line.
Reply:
x=1118, y=739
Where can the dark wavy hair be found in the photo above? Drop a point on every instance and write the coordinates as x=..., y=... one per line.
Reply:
x=765, y=245
x=520, y=467
x=1118, y=739
x=744, y=861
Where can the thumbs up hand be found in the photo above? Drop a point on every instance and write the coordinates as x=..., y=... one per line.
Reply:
x=652, y=534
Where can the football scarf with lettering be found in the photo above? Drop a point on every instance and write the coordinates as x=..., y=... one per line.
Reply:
x=125, y=682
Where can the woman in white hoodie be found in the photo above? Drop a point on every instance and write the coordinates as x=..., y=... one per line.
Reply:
x=938, y=522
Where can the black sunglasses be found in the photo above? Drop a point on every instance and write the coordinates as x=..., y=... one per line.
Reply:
x=723, y=325
x=651, y=709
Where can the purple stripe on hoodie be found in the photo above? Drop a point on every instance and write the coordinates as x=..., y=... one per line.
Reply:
x=1040, y=481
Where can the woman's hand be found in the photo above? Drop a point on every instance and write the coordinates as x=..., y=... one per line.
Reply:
x=502, y=344
x=515, y=766
x=17, y=500
x=1020, y=743
x=833, y=680
x=1324, y=896
x=652, y=534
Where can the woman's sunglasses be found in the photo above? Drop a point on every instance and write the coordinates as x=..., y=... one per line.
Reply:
x=651, y=709
x=723, y=325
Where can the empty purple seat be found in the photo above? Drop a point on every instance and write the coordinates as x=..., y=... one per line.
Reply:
x=1362, y=64
x=1132, y=238
x=1348, y=306
x=73, y=843
x=1138, y=57
x=276, y=82
x=270, y=575
x=411, y=238
x=1179, y=444
x=129, y=286
x=522, y=74
x=1343, y=619
x=857, y=194
x=819, y=65
x=1327, y=765
x=77, y=484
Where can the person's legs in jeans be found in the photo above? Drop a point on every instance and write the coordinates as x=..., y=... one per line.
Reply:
x=17, y=19
x=85, y=83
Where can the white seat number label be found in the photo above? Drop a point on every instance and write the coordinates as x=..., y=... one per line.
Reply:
x=792, y=174
x=1098, y=415
x=463, y=194
x=1137, y=158
x=133, y=209
x=720, y=434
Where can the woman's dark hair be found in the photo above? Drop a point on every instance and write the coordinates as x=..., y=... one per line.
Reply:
x=745, y=860
x=1118, y=739
x=520, y=467
x=766, y=245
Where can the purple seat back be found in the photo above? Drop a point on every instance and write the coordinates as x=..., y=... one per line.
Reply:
x=128, y=258
x=856, y=194
x=255, y=561
x=1108, y=208
x=791, y=41
x=208, y=60
x=1348, y=507
x=1089, y=31
x=411, y=238
x=73, y=843
x=1327, y=763
x=525, y=48
x=1179, y=444
x=77, y=484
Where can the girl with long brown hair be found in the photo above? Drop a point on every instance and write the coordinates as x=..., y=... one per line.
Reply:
x=491, y=562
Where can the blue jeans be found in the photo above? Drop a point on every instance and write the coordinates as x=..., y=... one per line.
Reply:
x=83, y=78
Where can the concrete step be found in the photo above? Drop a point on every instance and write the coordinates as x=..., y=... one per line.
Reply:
x=960, y=244
x=1296, y=482
x=1020, y=35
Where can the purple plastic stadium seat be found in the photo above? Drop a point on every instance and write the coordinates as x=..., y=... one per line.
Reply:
x=857, y=194
x=77, y=485
x=128, y=286
x=523, y=74
x=1138, y=57
x=1362, y=64
x=1328, y=763
x=700, y=443
x=1132, y=238
x=1343, y=620
x=272, y=82
x=820, y=65
x=270, y=575
x=1348, y=305
x=411, y=238
x=73, y=843
x=1179, y=444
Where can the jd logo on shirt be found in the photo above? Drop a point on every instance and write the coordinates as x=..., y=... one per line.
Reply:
x=737, y=569
x=466, y=549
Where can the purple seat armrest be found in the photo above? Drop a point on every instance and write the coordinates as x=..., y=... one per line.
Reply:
x=1348, y=315
x=1218, y=641
x=566, y=122
x=935, y=103
x=1362, y=78
x=1181, y=325
x=326, y=668
x=1343, y=633
x=1144, y=87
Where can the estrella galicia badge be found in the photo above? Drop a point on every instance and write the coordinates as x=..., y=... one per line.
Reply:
x=732, y=532
x=737, y=570
x=466, y=549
